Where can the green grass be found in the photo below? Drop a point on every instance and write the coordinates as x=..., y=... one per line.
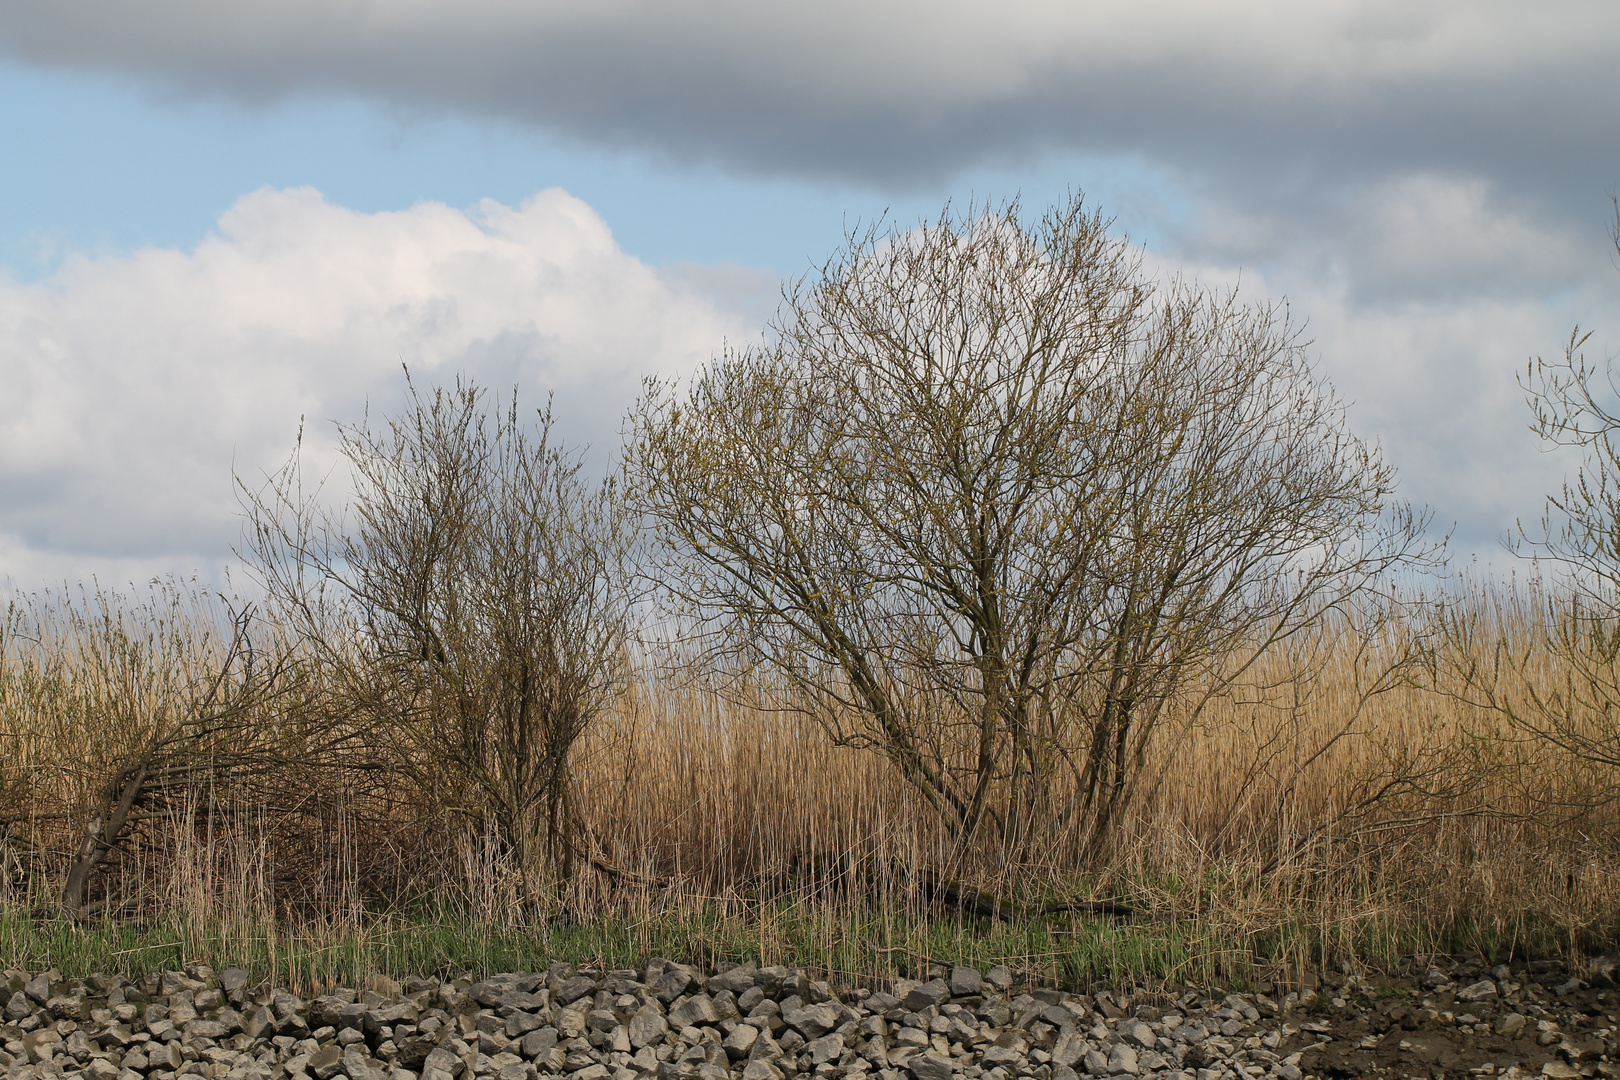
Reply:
x=847, y=948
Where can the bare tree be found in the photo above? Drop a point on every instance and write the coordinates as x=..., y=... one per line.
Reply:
x=1551, y=665
x=998, y=505
x=469, y=603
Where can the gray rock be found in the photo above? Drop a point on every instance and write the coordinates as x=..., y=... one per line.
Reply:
x=737, y=980
x=935, y=992
x=672, y=985
x=647, y=1027
x=930, y=1067
x=1479, y=991
x=1122, y=1059
x=813, y=1021
x=825, y=1049
x=39, y=988
x=999, y=977
x=537, y=1042
x=69, y=1007
x=740, y=1041
x=357, y=1066
x=443, y=1061
x=695, y=1011
x=764, y=1047
x=761, y=1070
x=591, y=1072
x=1138, y=1033
x=325, y=1063
x=1069, y=1048
x=995, y=1057
x=1063, y=1072
x=965, y=981
x=41, y=1044
x=285, y=1003
x=573, y=989
x=1511, y=1025
x=211, y=1029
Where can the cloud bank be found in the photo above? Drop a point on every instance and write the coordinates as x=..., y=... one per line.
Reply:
x=1285, y=95
x=134, y=385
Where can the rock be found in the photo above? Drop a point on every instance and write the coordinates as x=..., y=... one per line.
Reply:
x=1122, y=1059
x=325, y=1063
x=740, y=1041
x=647, y=1027
x=573, y=989
x=965, y=981
x=1069, y=1049
x=934, y=992
x=737, y=980
x=100, y=1069
x=813, y=1021
x=930, y=1067
x=1095, y=1062
x=1479, y=991
x=761, y=1070
x=591, y=1072
x=1139, y=1033
x=40, y=1044
x=520, y=1024
x=672, y=985
x=1063, y=1072
x=764, y=1047
x=39, y=988
x=825, y=1049
x=258, y=1022
x=1511, y=1025
x=999, y=977
x=696, y=1011
x=995, y=1057
x=211, y=1029
x=442, y=1061
x=356, y=1066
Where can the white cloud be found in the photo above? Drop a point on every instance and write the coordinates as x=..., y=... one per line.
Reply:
x=1424, y=297
x=130, y=386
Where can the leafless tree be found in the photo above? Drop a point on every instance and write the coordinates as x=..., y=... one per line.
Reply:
x=997, y=504
x=468, y=602
x=1551, y=665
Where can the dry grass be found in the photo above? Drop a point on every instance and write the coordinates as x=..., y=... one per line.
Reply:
x=1343, y=816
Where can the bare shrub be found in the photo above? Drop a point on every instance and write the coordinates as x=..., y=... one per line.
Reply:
x=1001, y=507
x=468, y=606
x=123, y=707
x=1547, y=660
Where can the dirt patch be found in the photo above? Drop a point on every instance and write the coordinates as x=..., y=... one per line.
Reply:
x=1461, y=1019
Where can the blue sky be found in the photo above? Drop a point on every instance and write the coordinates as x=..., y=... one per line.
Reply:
x=98, y=162
x=215, y=220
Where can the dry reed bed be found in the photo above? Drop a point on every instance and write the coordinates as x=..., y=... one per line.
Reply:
x=1341, y=812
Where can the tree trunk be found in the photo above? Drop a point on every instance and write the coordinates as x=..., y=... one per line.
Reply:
x=102, y=832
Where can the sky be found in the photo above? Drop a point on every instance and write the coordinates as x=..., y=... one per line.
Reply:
x=222, y=222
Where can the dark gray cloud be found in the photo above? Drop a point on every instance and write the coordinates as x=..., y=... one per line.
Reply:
x=1304, y=97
